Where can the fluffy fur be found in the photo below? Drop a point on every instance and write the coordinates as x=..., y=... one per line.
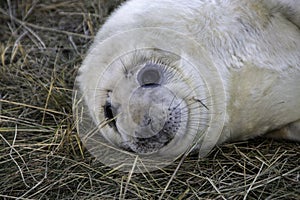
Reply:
x=254, y=45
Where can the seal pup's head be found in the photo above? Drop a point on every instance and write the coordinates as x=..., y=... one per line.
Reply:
x=150, y=115
x=148, y=102
x=148, y=97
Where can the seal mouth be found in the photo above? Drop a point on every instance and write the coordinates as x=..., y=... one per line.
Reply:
x=145, y=145
x=152, y=144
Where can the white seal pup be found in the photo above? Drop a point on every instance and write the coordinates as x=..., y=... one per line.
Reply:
x=165, y=76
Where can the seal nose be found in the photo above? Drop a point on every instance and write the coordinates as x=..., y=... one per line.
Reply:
x=147, y=108
x=150, y=75
x=156, y=111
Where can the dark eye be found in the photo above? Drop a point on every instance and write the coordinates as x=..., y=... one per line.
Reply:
x=151, y=74
x=109, y=114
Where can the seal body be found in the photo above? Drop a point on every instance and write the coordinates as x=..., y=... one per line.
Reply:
x=247, y=55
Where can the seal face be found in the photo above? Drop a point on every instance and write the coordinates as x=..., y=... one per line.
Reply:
x=153, y=108
x=144, y=108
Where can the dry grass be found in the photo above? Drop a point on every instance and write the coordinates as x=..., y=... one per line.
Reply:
x=41, y=157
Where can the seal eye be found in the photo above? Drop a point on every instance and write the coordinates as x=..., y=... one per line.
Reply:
x=108, y=113
x=150, y=75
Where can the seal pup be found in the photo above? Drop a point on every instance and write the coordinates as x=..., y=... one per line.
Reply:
x=167, y=76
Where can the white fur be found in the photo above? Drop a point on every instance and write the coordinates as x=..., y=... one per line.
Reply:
x=254, y=44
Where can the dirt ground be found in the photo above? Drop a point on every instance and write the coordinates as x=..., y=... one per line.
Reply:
x=42, y=44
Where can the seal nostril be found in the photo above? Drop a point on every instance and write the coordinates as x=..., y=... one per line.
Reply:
x=150, y=85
